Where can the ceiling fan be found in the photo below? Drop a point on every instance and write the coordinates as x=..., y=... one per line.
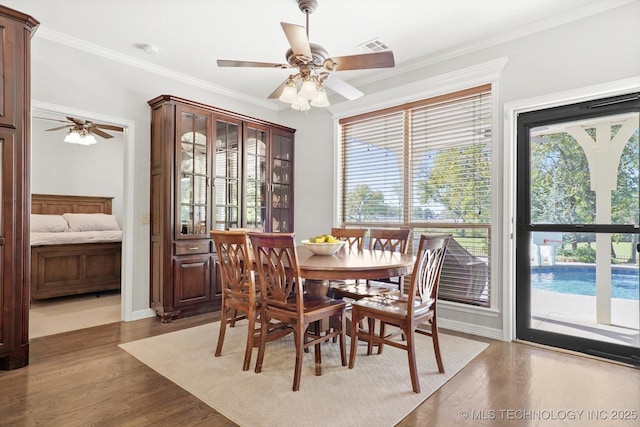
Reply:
x=314, y=65
x=81, y=125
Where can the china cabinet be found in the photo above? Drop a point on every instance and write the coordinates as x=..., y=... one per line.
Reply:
x=210, y=169
x=16, y=30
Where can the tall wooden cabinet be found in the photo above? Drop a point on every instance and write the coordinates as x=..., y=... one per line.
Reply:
x=16, y=29
x=210, y=169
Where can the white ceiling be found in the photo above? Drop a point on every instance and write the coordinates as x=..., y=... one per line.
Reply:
x=192, y=34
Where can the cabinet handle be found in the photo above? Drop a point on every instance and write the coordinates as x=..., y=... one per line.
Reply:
x=194, y=248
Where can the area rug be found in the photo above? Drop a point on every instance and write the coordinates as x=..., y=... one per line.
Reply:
x=376, y=392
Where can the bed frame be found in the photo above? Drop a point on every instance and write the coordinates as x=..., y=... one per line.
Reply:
x=59, y=270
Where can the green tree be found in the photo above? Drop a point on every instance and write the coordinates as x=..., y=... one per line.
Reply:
x=459, y=180
x=365, y=204
x=560, y=184
x=624, y=199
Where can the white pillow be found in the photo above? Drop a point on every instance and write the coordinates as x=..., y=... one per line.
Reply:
x=48, y=223
x=91, y=222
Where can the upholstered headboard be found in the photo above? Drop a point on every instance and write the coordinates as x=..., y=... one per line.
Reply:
x=51, y=204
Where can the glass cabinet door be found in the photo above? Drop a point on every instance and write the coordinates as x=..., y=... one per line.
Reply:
x=256, y=181
x=227, y=175
x=192, y=191
x=281, y=182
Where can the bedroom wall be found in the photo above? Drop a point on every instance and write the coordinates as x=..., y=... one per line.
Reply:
x=95, y=170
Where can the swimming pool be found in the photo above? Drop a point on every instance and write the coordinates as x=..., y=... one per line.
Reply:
x=581, y=280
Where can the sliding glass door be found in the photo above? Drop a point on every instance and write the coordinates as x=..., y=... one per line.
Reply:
x=577, y=227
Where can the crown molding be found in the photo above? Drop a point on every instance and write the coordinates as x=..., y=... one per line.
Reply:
x=485, y=72
x=94, y=49
x=590, y=9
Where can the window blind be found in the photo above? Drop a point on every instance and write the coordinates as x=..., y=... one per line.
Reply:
x=427, y=166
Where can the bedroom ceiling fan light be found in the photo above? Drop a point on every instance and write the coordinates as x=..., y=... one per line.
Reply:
x=88, y=139
x=80, y=137
x=72, y=137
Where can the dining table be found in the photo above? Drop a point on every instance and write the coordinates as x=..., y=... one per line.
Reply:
x=350, y=264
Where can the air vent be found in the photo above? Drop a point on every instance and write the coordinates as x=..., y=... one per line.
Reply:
x=374, y=45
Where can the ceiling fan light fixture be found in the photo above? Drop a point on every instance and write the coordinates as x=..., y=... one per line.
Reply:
x=321, y=100
x=301, y=104
x=80, y=137
x=88, y=139
x=309, y=89
x=289, y=93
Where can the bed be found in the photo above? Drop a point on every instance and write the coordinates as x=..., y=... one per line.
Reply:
x=76, y=246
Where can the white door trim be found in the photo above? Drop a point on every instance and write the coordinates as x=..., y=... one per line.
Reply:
x=128, y=192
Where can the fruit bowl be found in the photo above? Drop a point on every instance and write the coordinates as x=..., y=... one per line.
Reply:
x=323, y=248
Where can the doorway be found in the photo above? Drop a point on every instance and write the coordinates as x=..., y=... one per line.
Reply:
x=577, y=227
x=41, y=109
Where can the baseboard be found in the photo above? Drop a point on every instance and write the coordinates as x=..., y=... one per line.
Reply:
x=470, y=328
x=141, y=314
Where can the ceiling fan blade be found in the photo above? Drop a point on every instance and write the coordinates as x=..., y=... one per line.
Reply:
x=276, y=93
x=109, y=127
x=361, y=62
x=297, y=37
x=100, y=133
x=234, y=63
x=58, y=128
x=343, y=88
x=76, y=121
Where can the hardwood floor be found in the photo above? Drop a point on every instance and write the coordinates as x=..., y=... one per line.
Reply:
x=83, y=378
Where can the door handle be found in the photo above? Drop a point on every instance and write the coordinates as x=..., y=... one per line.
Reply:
x=638, y=247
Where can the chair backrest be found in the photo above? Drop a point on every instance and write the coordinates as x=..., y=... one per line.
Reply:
x=425, y=279
x=235, y=259
x=394, y=240
x=353, y=236
x=276, y=262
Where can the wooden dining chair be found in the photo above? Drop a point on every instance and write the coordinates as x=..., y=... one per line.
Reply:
x=239, y=293
x=241, y=297
x=394, y=240
x=284, y=299
x=353, y=236
x=406, y=312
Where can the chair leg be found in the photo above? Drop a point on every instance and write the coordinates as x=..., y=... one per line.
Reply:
x=436, y=345
x=299, y=340
x=264, y=324
x=411, y=355
x=343, y=344
x=234, y=316
x=318, y=359
x=383, y=331
x=223, y=328
x=251, y=317
x=355, y=321
x=371, y=324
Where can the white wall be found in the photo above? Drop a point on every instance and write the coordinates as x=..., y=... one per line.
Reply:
x=58, y=167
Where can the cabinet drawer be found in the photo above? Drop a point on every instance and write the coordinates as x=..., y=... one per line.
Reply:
x=192, y=247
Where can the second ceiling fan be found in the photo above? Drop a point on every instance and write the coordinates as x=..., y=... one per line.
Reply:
x=80, y=125
x=315, y=67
